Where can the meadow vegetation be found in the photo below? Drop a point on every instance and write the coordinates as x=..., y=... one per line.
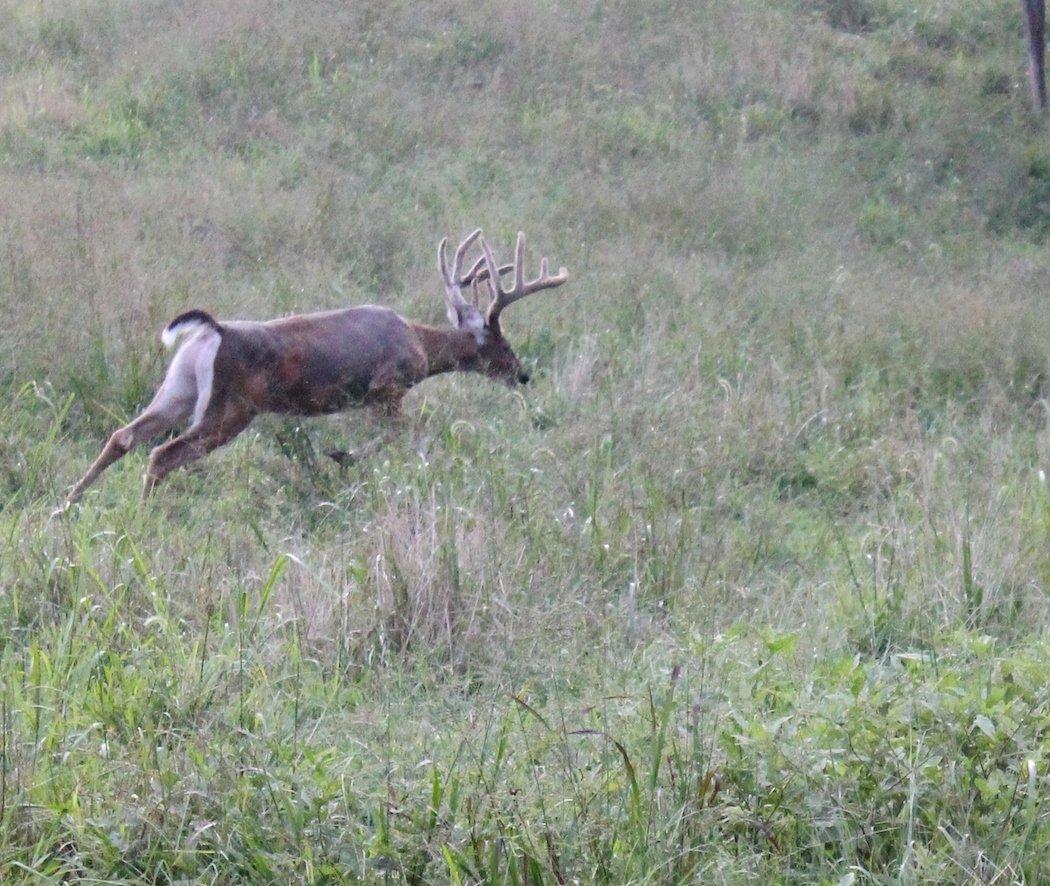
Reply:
x=749, y=584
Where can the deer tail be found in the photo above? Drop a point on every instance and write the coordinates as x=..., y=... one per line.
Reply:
x=185, y=324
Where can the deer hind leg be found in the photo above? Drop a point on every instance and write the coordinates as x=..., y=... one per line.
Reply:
x=172, y=405
x=187, y=382
x=219, y=425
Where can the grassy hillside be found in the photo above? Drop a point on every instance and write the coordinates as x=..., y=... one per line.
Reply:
x=750, y=583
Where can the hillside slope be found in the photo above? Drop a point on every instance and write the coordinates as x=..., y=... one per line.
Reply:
x=750, y=582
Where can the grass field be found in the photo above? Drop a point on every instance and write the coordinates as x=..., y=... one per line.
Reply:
x=750, y=583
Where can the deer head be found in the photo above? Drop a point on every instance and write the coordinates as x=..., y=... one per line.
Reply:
x=495, y=357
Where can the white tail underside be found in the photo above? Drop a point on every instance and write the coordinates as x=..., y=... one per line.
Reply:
x=173, y=333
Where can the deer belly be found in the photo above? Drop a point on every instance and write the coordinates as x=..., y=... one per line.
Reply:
x=315, y=399
x=331, y=389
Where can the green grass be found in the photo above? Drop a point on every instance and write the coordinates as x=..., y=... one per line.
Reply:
x=750, y=583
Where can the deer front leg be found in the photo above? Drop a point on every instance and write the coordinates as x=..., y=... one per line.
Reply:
x=344, y=458
x=196, y=443
x=382, y=399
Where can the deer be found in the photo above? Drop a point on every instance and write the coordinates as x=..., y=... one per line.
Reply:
x=226, y=373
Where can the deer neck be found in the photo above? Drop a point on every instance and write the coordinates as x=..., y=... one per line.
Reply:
x=447, y=350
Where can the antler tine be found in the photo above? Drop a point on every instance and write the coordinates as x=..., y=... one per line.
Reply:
x=502, y=298
x=519, y=264
x=461, y=253
x=443, y=259
x=472, y=275
x=451, y=277
x=478, y=273
x=495, y=289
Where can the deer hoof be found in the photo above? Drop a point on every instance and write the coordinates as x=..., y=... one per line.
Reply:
x=61, y=510
x=342, y=458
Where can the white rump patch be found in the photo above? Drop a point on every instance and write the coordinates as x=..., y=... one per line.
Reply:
x=204, y=368
x=187, y=385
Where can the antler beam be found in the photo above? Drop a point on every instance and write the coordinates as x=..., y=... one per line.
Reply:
x=501, y=297
x=453, y=277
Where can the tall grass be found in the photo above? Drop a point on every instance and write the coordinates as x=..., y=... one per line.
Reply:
x=749, y=583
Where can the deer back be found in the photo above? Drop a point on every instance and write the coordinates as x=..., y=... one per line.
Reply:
x=317, y=363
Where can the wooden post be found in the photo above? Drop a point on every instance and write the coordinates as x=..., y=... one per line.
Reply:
x=1035, y=14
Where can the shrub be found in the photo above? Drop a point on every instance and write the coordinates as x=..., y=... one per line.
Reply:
x=854, y=16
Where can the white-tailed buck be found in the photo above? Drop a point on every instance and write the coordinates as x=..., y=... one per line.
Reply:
x=226, y=373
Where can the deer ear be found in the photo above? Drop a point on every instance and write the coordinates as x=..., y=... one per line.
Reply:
x=468, y=318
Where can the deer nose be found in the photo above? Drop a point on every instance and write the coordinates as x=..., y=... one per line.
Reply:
x=523, y=377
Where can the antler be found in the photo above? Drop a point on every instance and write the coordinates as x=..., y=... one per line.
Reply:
x=458, y=306
x=501, y=297
x=478, y=273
